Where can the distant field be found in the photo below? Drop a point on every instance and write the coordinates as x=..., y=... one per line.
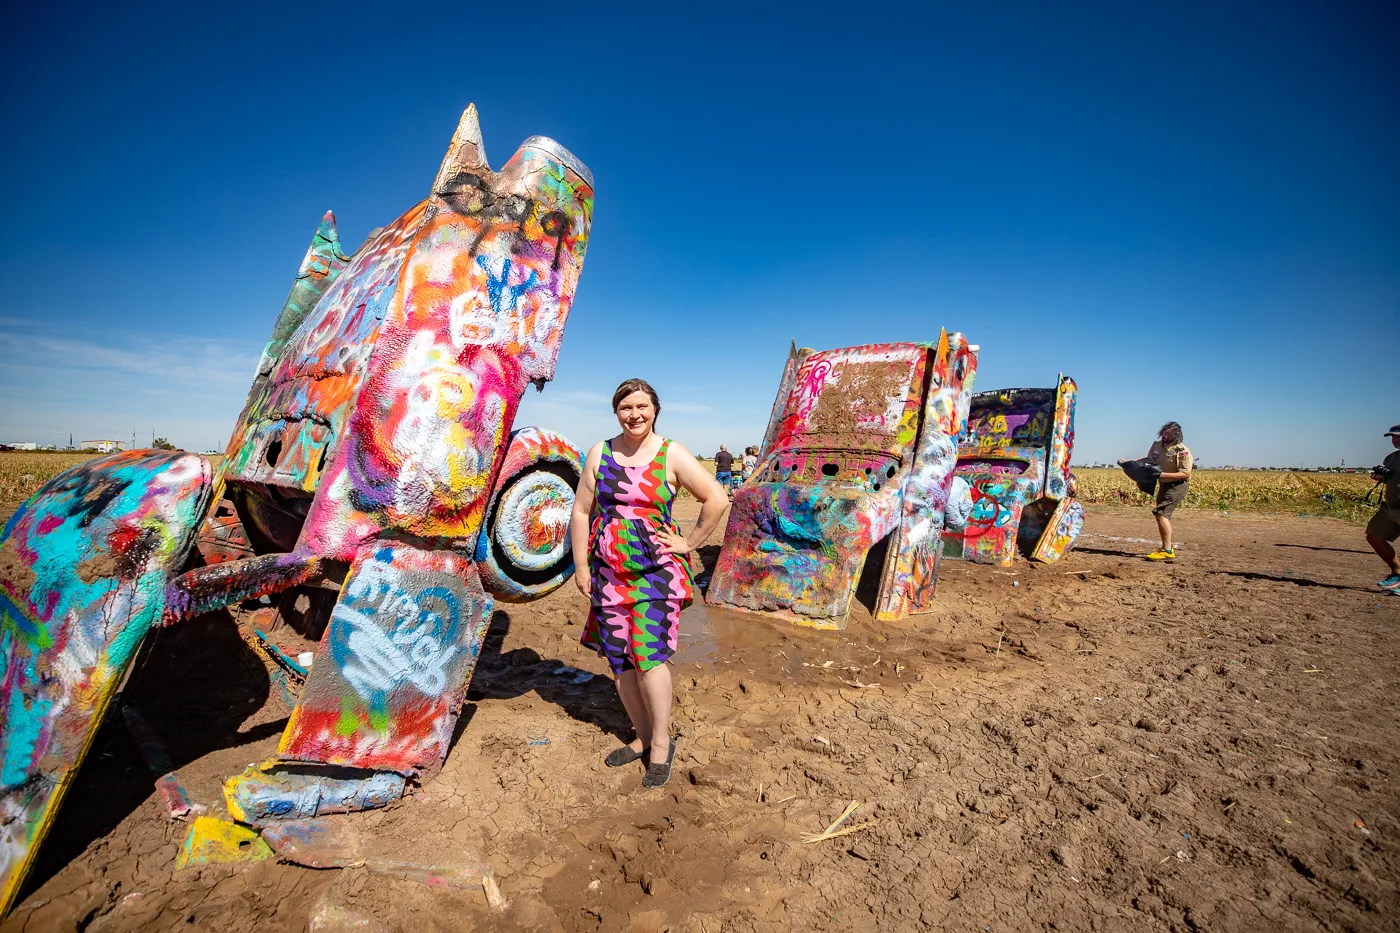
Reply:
x=1338, y=495
x=1334, y=494
x=22, y=472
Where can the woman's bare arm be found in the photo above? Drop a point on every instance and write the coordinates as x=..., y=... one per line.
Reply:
x=578, y=520
x=703, y=486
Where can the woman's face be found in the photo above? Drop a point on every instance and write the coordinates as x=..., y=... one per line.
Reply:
x=636, y=414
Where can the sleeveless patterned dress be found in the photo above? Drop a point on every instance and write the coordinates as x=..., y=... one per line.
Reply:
x=638, y=593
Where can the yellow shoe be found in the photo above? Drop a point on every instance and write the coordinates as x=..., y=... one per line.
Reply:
x=1162, y=554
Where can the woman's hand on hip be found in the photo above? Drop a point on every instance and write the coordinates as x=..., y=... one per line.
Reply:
x=672, y=543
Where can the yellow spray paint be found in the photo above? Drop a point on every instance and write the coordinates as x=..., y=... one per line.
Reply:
x=213, y=841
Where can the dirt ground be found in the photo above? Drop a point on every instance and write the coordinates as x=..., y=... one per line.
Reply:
x=1096, y=744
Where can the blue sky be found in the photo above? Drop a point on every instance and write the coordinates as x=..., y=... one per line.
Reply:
x=1192, y=209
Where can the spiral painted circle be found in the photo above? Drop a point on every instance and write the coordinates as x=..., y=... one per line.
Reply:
x=532, y=526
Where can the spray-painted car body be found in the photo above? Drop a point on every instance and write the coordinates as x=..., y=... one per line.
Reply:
x=1013, y=488
x=375, y=448
x=859, y=448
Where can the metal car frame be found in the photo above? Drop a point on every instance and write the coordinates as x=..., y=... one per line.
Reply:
x=1014, y=489
x=859, y=450
x=375, y=463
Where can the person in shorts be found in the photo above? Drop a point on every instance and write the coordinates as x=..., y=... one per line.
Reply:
x=1174, y=459
x=1384, y=527
x=724, y=467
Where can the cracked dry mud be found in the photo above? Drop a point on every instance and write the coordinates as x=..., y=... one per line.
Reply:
x=1109, y=745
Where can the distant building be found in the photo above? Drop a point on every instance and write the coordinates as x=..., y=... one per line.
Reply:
x=102, y=447
x=23, y=446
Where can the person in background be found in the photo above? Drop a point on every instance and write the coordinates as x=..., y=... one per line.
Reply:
x=724, y=467
x=1384, y=526
x=750, y=462
x=632, y=563
x=1172, y=457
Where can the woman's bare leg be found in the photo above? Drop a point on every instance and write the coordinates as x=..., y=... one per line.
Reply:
x=657, y=693
x=636, y=706
x=1164, y=528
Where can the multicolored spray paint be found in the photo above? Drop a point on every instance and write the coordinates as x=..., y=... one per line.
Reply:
x=394, y=401
x=478, y=315
x=83, y=570
x=392, y=669
x=377, y=437
x=1014, y=487
x=916, y=545
x=525, y=550
x=860, y=447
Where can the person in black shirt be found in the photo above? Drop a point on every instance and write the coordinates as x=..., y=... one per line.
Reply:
x=724, y=467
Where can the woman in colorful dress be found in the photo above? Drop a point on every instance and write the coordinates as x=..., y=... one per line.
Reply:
x=631, y=561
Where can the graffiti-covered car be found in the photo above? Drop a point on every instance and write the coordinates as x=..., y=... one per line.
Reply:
x=859, y=450
x=374, y=463
x=1013, y=488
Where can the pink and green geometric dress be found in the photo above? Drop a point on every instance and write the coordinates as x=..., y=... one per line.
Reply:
x=638, y=593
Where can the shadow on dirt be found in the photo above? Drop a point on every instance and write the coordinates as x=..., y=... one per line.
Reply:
x=1339, y=550
x=1300, y=581
x=1106, y=552
x=195, y=683
x=584, y=696
x=708, y=557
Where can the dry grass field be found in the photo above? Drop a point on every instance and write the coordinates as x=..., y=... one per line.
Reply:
x=1337, y=495
x=22, y=472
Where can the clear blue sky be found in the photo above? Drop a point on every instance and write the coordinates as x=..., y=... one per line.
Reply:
x=1193, y=208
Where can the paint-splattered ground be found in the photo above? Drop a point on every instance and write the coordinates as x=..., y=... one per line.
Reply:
x=1206, y=745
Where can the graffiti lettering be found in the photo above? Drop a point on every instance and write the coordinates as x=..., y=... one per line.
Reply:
x=384, y=637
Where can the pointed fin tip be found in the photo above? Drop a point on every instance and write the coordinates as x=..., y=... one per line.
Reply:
x=469, y=128
x=327, y=230
x=466, y=152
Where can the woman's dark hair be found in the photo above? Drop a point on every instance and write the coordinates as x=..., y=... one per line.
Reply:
x=1170, y=433
x=636, y=385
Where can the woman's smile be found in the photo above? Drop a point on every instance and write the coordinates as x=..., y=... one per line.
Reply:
x=614, y=511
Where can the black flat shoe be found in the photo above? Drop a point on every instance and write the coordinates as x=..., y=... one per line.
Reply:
x=659, y=774
x=624, y=756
